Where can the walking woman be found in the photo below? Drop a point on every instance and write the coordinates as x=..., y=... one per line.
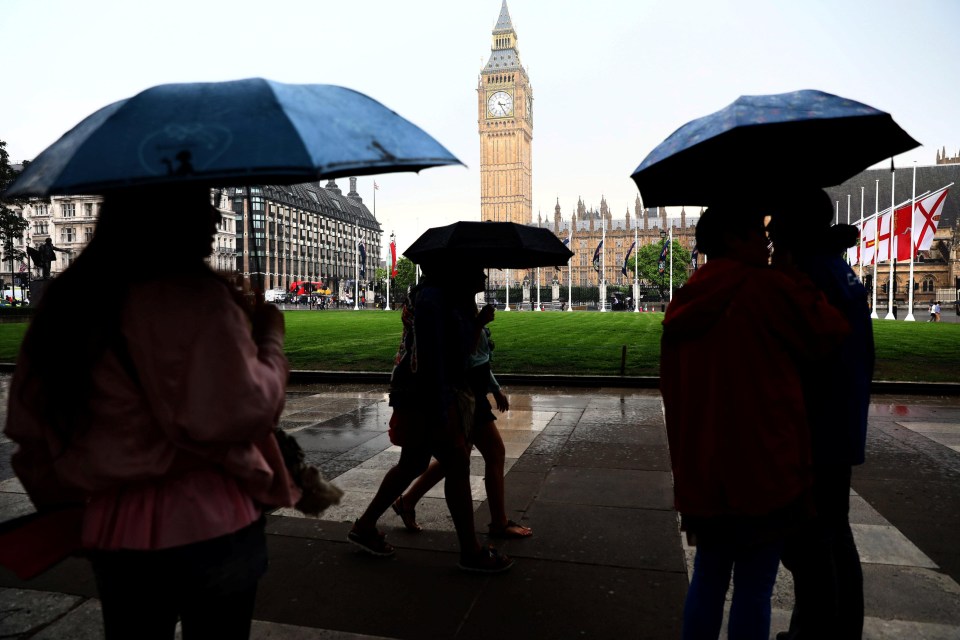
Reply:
x=154, y=409
x=484, y=435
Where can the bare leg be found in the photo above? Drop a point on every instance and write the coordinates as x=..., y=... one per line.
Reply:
x=413, y=461
x=428, y=480
x=489, y=443
x=487, y=439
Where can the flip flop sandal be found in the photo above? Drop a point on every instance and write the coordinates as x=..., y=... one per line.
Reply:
x=509, y=530
x=409, y=516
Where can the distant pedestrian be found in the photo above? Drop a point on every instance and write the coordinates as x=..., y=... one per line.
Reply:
x=936, y=310
x=933, y=313
x=822, y=554
x=733, y=338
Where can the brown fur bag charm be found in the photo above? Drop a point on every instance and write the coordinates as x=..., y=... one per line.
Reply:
x=318, y=494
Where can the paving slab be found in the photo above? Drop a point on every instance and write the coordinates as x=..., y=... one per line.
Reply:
x=609, y=487
x=540, y=599
x=608, y=536
x=585, y=453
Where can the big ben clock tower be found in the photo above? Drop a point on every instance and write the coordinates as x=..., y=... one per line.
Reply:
x=505, y=108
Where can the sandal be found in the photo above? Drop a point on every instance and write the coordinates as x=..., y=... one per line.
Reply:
x=409, y=516
x=509, y=530
x=487, y=560
x=373, y=542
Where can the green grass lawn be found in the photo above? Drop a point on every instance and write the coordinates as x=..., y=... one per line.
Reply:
x=563, y=343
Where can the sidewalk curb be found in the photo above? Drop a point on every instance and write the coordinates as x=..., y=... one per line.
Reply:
x=302, y=376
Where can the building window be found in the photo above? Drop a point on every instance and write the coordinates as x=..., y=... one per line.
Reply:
x=40, y=228
x=67, y=234
x=87, y=234
x=69, y=209
x=88, y=209
x=40, y=209
x=927, y=284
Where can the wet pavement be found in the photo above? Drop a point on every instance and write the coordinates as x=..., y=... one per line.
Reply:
x=588, y=470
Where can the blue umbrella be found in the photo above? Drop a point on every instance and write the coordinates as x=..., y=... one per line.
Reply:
x=230, y=133
x=764, y=142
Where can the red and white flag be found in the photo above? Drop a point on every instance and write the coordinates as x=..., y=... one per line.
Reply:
x=883, y=238
x=868, y=241
x=927, y=218
x=901, y=234
x=393, y=259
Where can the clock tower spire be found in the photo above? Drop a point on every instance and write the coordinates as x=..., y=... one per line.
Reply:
x=505, y=120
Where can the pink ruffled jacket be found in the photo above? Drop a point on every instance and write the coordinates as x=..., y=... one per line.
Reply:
x=183, y=453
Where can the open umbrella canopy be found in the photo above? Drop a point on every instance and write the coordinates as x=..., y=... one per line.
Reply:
x=504, y=245
x=230, y=133
x=761, y=142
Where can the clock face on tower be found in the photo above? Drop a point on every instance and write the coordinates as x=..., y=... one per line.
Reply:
x=500, y=104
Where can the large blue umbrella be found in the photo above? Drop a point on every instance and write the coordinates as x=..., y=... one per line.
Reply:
x=766, y=142
x=230, y=133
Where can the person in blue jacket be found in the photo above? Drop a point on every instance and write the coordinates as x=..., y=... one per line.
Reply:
x=822, y=556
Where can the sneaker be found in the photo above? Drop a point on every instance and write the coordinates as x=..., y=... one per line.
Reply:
x=487, y=560
x=373, y=542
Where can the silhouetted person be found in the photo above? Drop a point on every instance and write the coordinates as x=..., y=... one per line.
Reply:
x=733, y=338
x=47, y=255
x=160, y=423
x=433, y=410
x=822, y=556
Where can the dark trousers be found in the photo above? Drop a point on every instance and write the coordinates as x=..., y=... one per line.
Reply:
x=823, y=558
x=210, y=586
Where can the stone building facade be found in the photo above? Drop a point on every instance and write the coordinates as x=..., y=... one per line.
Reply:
x=305, y=232
x=69, y=221
x=587, y=227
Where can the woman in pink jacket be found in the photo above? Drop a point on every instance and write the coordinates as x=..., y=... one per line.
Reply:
x=154, y=409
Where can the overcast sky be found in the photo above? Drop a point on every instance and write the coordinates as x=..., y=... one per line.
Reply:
x=611, y=78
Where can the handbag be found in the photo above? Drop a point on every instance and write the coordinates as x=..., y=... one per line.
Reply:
x=318, y=493
x=31, y=544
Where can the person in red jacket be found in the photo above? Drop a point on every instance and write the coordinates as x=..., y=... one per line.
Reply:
x=733, y=338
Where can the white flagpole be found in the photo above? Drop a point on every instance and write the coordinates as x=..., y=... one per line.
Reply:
x=671, y=262
x=390, y=251
x=570, y=272
x=603, y=263
x=837, y=221
x=860, y=252
x=506, y=307
x=356, y=262
x=913, y=219
x=876, y=252
x=890, y=253
x=848, y=222
x=538, y=270
x=636, y=282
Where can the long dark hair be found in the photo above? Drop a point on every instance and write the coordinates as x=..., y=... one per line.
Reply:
x=140, y=236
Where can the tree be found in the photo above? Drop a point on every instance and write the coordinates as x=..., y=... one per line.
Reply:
x=406, y=277
x=648, y=259
x=12, y=224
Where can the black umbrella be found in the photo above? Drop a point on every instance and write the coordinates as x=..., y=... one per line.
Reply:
x=762, y=142
x=503, y=245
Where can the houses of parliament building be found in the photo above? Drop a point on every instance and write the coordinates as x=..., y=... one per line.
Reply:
x=505, y=122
